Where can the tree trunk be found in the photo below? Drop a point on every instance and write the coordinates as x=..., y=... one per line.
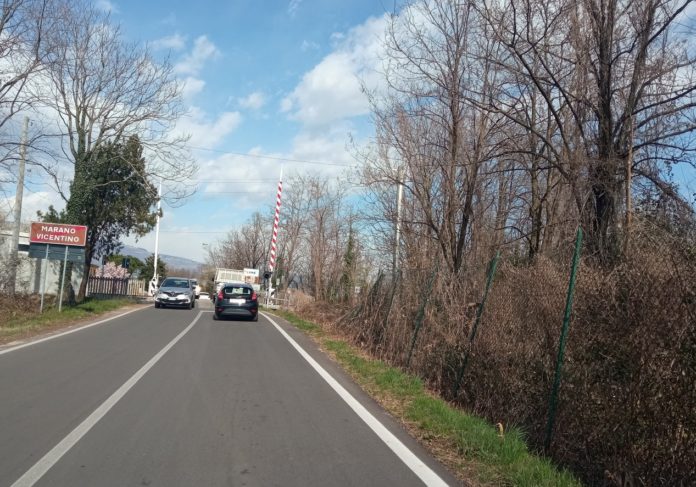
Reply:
x=82, y=292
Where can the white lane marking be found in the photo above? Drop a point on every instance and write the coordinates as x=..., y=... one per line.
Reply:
x=79, y=328
x=425, y=473
x=33, y=475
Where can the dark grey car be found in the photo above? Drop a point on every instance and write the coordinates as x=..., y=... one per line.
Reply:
x=176, y=291
x=237, y=299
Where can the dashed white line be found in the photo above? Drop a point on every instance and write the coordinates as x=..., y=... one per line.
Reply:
x=51, y=458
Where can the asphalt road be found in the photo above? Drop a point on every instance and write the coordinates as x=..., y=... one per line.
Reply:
x=170, y=397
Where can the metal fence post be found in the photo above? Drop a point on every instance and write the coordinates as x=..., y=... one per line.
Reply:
x=421, y=314
x=492, y=266
x=553, y=401
x=396, y=278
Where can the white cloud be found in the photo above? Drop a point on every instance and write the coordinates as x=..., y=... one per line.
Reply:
x=332, y=89
x=253, y=101
x=337, y=37
x=293, y=6
x=174, y=42
x=322, y=153
x=204, y=132
x=203, y=50
x=286, y=104
x=191, y=87
x=107, y=6
x=309, y=46
x=245, y=183
x=31, y=203
x=170, y=19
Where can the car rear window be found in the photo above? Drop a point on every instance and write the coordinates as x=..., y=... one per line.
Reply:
x=175, y=283
x=239, y=291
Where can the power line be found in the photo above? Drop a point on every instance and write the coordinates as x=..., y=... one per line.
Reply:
x=236, y=181
x=188, y=232
x=275, y=158
x=230, y=192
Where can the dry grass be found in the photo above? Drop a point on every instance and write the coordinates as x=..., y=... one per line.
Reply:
x=13, y=308
x=20, y=317
x=626, y=413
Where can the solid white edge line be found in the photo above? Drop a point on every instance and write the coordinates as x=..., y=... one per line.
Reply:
x=40, y=468
x=74, y=330
x=417, y=466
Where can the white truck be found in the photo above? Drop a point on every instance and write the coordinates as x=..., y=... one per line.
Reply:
x=250, y=276
x=226, y=275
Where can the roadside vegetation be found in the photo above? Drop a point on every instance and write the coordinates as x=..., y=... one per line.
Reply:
x=20, y=317
x=515, y=132
x=502, y=129
x=472, y=448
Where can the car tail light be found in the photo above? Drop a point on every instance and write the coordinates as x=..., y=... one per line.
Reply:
x=220, y=294
x=253, y=296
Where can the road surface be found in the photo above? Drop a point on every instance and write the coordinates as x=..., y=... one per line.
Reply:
x=168, y=397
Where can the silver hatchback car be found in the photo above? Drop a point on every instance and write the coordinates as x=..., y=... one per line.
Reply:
x=176, y=291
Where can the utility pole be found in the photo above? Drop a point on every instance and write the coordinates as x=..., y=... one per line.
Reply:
x=155, y=277
x=14, y=247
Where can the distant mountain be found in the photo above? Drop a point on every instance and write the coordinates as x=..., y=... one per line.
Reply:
x=172, y=261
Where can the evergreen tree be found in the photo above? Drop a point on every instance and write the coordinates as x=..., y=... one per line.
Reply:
x=112, y=196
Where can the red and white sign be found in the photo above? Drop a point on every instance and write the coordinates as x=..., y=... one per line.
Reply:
x=58, y=234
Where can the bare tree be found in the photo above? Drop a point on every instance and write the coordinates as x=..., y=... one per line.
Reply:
x=292, y=229
x=439, y=73
x=105, y=91
x=617, y=81
x=242, y=248
x=321, y=220
x=23, y=26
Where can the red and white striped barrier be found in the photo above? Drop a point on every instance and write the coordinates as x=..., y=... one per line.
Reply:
x=274, y=239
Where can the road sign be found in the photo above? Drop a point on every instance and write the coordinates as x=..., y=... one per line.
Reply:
x=57, y=252
x=58, y=234
x=251, y=272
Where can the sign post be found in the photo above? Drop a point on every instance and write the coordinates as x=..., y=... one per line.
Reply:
x=45, y=272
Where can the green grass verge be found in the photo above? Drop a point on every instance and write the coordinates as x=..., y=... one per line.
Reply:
x=474, y=446
x=28, y=323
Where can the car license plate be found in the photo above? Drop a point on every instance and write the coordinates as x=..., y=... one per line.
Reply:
x=238, y=302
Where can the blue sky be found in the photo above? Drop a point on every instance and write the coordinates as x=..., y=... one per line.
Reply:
x=245, y=65
x=261, y=78
x=266, y=84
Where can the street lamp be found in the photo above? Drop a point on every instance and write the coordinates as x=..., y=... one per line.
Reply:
x=155, y=277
